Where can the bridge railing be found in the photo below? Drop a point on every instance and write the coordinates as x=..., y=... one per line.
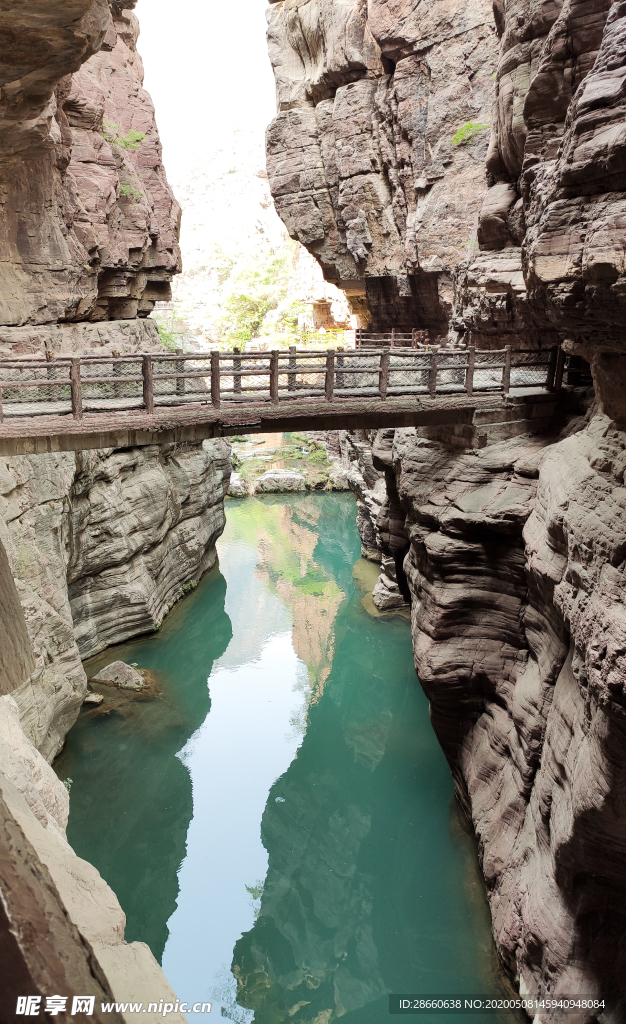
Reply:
x=107, y=384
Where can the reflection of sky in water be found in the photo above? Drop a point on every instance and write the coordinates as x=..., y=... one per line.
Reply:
x=245, y=744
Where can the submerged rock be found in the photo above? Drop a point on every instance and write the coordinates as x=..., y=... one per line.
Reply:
x=118, y=673
x=93, y=698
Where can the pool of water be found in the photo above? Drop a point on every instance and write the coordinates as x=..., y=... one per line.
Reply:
x=278, y=823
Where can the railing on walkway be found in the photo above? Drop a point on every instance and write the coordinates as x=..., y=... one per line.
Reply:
x=391, y=339
x=99, y=384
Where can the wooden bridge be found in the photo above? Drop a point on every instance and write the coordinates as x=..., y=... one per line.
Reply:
x=68, y=404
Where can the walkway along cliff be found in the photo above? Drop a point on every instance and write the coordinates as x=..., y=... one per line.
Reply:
x=462, y=171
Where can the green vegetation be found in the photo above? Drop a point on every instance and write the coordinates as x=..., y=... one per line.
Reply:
x=113, y=134
x=467, y=133
x=258, y=284
x=168, y=338
x=128, y=190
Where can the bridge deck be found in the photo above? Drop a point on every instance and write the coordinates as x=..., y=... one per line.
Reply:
x=90, y=402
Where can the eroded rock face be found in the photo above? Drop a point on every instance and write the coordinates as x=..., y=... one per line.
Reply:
x=515, y=567
x=88, y=226
x=360, y=156
x=101, y=545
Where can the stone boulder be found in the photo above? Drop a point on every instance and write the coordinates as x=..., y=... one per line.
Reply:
x=277, y=481
x=118, y=673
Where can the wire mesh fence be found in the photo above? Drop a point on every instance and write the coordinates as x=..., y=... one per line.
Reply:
x=92, y=384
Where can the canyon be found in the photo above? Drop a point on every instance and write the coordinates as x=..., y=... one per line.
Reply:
x=461, y=171
x=455, y=168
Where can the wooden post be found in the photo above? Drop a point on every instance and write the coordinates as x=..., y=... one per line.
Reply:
x=330, y=375
x=1, y=412
x=393, y=336
x=237, y=366
x=215, y=379
x=180, y=368
x=383, y=376
x=291, y=379
x=413, y=338
x=506, y=371
x=147, y=370
x=77, y=398
x=469, y=378
x=358, y=337
x=552, y=368
x=558, y=373
x=432, y=373
x=274, y=376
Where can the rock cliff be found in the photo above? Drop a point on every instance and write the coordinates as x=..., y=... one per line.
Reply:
x=510, y=548
x=88, y=223
x=102, y=543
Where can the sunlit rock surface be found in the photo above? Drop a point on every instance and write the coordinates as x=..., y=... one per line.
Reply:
x=89, y=226
x=360, y=156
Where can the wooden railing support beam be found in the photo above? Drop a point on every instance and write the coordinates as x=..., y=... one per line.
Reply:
x=469, y=377
x=77, y=398
x=274, y=376
x=147, y=371
x=554, y=353
x=329, y=383
x=432, y=373
x=215, y=379
x=506, y=370
x=383, y=376
x=237, y=366
x=558, y=373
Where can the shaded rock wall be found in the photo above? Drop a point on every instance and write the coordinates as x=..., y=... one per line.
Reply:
x=101, y=545
x=515, y=569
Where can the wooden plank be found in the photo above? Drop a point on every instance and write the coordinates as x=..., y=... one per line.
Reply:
x=215, y=379
x=469, y=376
x=383, y=376
x=274, y=375
x=77, y=397
x=432, y=372
x=506, y=372
x=148, y=385
x=329, y=383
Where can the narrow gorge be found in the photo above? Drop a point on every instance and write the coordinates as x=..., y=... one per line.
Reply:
x=458, y=170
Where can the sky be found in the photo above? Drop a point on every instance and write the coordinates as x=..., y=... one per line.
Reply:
x=207, y=69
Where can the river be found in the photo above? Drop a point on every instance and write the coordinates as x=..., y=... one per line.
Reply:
x=278, y=823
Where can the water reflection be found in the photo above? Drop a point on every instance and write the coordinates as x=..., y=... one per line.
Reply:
x=131, y=798
x=318, y=843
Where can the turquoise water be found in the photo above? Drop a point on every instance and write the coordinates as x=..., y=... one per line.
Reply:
x=278, y=823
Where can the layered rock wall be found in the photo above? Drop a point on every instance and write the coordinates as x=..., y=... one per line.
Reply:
x=88, y=223
x=515, y=569
x=361, y=158
x=101, y=545
x=515, y=541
